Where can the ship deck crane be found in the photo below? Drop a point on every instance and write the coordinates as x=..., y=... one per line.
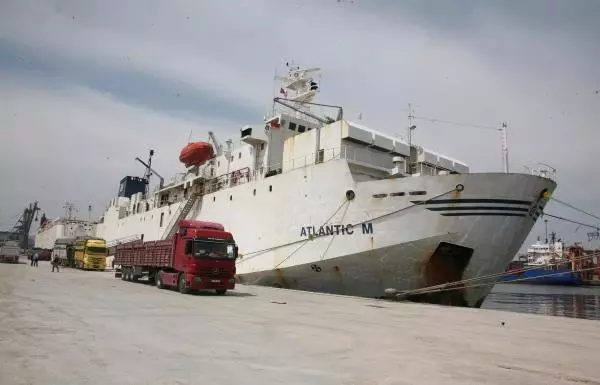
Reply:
x=150, y=171
x=215, y=142
x=23, y=224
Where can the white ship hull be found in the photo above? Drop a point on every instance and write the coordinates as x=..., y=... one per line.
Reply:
x=273, y=233
x=324, y=204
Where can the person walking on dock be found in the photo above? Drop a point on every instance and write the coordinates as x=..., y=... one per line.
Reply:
x=35, y=259
x=54, y=263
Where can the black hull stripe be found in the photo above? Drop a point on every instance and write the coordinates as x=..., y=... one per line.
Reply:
x=482, y=214
x=494, y=208
x=473, y=200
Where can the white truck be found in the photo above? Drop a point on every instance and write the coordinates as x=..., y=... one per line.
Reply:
x=63, y=250
x=10, y=252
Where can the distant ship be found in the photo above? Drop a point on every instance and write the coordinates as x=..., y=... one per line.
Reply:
x=319, y=203
x=545, y=263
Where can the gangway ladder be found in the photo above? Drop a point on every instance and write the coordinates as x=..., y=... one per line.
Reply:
x=129, y=238
x=181, y=213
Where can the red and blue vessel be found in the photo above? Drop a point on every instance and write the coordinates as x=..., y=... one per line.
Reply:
x=546, y=264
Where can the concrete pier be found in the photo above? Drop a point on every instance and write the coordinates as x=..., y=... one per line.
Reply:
x=77, y=327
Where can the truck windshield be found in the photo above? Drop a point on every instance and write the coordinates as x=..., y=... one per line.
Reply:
x=214, y=249
x=96, y=250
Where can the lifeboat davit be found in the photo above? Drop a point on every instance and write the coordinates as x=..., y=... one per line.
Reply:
x=195, y=154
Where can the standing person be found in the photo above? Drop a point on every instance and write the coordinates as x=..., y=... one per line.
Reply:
x=55, y=264
x=36, y=258
x=30, y=260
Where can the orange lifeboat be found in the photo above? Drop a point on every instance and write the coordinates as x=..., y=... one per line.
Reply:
x=195, y=154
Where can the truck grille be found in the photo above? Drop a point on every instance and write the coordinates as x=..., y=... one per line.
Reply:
x=213, y=272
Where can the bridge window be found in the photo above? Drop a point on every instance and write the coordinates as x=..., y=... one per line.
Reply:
x=231, y=197
x=239, y=155
x=397, y=194
x=417, y=193
x=270, y=188
x=379, y=195
x=301, y=128
x=292, y=126
x=262, y=146
x=162, y=215
x=247, y=132
x=254, y=192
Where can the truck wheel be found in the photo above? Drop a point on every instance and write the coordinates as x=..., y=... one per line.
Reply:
x=159, y=282
x=221, y=291
x=123, y=275
x=182, y=285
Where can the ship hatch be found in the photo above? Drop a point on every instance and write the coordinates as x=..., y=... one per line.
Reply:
x=447, y=264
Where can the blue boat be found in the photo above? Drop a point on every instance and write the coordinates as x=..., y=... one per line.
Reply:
x=545, y=264
x=543, y=275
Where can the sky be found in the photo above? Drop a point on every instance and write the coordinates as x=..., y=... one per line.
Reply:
x=85, y=86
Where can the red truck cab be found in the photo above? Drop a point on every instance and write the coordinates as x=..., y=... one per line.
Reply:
x=200, y=256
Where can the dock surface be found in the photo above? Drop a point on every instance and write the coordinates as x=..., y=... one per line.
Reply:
x=77, y=327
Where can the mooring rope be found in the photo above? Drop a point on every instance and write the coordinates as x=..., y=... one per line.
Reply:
x=450, y=285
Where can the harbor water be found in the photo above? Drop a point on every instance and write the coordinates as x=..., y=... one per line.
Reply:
x=565, y=301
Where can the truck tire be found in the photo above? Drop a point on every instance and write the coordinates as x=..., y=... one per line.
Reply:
x=182, y=285
x=221, y=291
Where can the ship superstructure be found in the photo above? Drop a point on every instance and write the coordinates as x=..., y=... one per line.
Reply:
x=51, y=230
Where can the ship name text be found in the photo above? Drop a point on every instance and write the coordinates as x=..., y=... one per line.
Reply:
x=321, y=231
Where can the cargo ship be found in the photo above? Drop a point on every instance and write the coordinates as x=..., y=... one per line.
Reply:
x=321, y=203
x=550, y=263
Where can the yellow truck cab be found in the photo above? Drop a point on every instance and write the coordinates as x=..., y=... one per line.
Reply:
x=90, y=254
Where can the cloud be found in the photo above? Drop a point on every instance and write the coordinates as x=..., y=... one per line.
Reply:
x=188, y=63
x=76, y=144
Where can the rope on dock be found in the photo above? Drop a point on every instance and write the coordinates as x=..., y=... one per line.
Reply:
x=459, y=284
x=399, y=295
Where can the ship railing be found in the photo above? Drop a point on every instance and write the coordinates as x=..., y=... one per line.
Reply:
x=233, y=178
x=541, y=169
x=362, y=156
x=299, y=162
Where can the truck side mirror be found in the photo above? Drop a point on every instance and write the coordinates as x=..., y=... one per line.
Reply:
x=235, y=252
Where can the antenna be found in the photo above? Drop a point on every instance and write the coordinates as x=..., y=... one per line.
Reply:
x=148, y=173
x=190, y=137
x=504, y=146
x=89, y=213
x=69, y=208
x=411, y=127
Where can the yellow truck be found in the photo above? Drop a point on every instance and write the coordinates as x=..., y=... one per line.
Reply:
x=90, y=254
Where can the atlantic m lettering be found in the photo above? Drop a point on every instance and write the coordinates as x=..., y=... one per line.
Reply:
x=322, y=231
x=367, y=228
